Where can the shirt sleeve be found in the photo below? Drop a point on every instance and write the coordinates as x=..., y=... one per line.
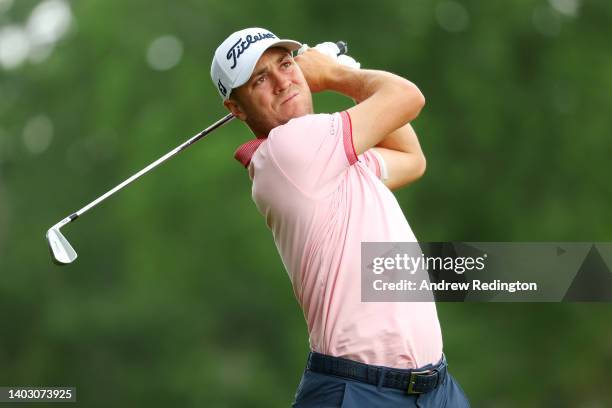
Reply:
x=374, y=161
x=313, y=151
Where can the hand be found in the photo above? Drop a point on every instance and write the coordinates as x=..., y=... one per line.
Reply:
x=348, y=61
x=317, y=68
x=331, y=49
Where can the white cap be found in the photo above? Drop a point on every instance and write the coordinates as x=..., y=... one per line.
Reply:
x=236, y=57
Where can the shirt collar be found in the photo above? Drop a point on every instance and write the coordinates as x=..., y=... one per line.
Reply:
x=244, y=153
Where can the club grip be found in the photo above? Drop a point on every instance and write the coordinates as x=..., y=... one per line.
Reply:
x=342, y=46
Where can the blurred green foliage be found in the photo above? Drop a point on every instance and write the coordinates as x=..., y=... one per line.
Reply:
x=179, y=298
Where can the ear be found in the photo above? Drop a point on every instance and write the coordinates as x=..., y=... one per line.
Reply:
x=235, y=109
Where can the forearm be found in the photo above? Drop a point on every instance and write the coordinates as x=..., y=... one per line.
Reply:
x=358, y=84
x=404, y=159
x=403, y=140
x=361, y=84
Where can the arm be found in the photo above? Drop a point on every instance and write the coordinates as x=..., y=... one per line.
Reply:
x=386, y=101
x=403, y=157
x=386, y=105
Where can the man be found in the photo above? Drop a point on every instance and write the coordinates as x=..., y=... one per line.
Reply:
x=322, y=183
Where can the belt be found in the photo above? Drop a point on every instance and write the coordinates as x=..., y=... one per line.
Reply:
x=417, y=381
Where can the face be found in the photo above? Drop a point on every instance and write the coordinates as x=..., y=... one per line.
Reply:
x=276, y=93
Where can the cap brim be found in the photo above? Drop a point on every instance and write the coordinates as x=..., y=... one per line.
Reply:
x=247, y=70
x=288, y=44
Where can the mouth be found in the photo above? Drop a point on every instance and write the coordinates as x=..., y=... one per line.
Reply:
x=289, y=98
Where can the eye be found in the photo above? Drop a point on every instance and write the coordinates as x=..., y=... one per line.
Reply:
x=260, y=80
x=286, y=64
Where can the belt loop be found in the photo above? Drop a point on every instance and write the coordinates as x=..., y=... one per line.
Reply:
x=381, y=379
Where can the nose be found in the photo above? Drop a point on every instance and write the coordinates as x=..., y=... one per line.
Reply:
x=281, y=82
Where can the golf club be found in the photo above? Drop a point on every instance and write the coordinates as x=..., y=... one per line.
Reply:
x=61, y=250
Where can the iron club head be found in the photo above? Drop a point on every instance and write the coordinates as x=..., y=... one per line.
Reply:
x=61, y=250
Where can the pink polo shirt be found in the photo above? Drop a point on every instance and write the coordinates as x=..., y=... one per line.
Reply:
x=321, y=201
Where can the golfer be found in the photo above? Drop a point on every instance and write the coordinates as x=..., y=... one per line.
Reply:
x=322, y=182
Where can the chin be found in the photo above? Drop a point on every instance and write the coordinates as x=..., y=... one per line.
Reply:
x=295, y=112
x=303, y=108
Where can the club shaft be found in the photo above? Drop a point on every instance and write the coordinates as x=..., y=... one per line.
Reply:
x=153, y=165
x=343, y=49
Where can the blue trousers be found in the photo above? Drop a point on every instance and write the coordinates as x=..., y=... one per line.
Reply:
x=329, y=391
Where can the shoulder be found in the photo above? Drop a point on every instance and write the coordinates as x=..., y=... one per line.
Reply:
x=311, y=151
x=324, y=123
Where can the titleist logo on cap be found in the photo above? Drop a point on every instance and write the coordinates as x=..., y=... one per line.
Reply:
x=241, y=46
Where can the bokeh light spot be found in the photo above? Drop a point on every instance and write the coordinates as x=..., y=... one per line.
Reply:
x=37, y=134
x=452, y=16
x=164, y=53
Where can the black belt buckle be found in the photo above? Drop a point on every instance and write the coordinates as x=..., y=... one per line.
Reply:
x=412, y=380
